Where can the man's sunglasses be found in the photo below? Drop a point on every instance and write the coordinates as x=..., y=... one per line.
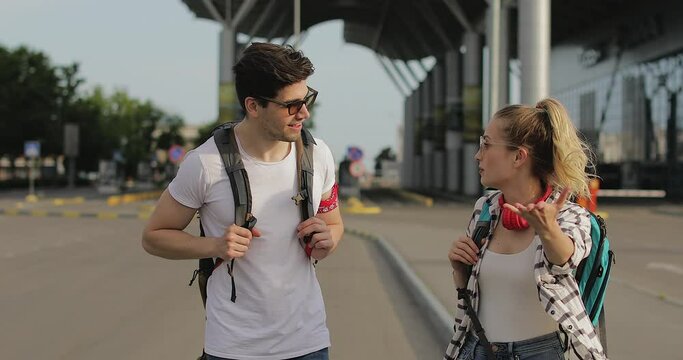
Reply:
x=293, y=107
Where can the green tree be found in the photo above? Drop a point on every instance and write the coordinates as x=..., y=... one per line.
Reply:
x=87, y=113
x=29, y=105
x=170, y=126
x=127, y=126
x=37, y=98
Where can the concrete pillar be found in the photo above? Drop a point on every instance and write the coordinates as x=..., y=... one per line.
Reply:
x=229, y=108
x=534, y=49
x=417, y=179
x=453, y=140
x=417, y=139
x=454, y=151
x=408, y=161
x=427, y=114
x=493, y=43
x=504, y=57
x=439, y=133
x=472, y=109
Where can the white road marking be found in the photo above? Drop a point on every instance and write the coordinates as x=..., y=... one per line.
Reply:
x=665, y=267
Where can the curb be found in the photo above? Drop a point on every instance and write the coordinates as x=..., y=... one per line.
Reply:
x=657, y=295
x=68, y=201
x=77, y=200
x=670, y=212
x=353, y=205
x=74, y=214
x=437, y=315
x=420, y=199
x=115, y=200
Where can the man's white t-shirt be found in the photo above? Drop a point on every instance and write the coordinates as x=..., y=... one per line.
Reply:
x=279, y=311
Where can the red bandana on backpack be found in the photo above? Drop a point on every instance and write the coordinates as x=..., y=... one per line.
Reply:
x=330, y=203
x=512, y=221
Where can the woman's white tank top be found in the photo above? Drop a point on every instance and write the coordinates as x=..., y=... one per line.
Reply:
x=509, y=309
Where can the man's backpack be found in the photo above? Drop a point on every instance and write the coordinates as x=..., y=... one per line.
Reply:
x=592, y=274
x=224, y=136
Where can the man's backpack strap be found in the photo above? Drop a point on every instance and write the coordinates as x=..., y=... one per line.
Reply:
x=202, y=273
x=205, y=269
x=304, y=167
x=239, y=179
x=226, y=142
x=224, y=137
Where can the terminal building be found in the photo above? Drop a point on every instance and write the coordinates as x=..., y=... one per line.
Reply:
x=616, y=64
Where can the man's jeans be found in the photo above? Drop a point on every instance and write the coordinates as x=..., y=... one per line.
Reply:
x=318, y=355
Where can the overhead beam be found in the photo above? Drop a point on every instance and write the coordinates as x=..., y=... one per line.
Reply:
x=399, y=51
x=417, y=34
x=243, y=11
x=401, y=75
x=302, y=38
x=213, y=11
x=411, y=71
x=277, y=25
x=423, y=66
x=228, y=14
x=459, y=14
x=392, y=77
x=431, y=18
x=380, y=25
x=401, y=48
x=267, y=13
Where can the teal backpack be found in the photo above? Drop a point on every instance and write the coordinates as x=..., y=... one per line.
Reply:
x=592, y=274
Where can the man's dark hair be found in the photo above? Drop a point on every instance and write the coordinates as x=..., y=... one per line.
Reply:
x=265, y=68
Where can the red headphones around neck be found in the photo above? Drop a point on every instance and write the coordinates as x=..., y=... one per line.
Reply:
x=512, y=221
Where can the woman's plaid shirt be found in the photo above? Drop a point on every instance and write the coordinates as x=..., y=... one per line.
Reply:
x=558, y=291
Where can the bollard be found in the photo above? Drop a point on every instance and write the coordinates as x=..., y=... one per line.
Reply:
x=592, y=203
x=594, y=187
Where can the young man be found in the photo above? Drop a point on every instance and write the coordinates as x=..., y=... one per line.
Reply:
x=279, y=311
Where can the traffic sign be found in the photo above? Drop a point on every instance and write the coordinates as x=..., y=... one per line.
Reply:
x=32, y=149
x=176, y=154
x=354, y=153
x=71, y=139
x=357, y=168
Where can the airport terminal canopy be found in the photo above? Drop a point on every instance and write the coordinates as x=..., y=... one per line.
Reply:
x=398, y=29
x=406, y=29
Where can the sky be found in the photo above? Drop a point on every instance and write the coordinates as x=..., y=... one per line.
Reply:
x=159, y=50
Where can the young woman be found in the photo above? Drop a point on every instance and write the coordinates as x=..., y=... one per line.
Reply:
x=521, y=281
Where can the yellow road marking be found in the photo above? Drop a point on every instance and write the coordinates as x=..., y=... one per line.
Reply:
x=107, y=215
x=71, y=214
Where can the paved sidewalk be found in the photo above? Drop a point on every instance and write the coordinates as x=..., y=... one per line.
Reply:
x=363, y=316
x=422, y=236
x=646, y=292
x=84, y=289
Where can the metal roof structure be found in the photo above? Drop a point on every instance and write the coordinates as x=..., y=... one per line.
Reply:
x=398, y=29
x=406, y=29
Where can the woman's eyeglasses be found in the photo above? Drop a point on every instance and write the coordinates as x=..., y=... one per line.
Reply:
x=484, y=144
